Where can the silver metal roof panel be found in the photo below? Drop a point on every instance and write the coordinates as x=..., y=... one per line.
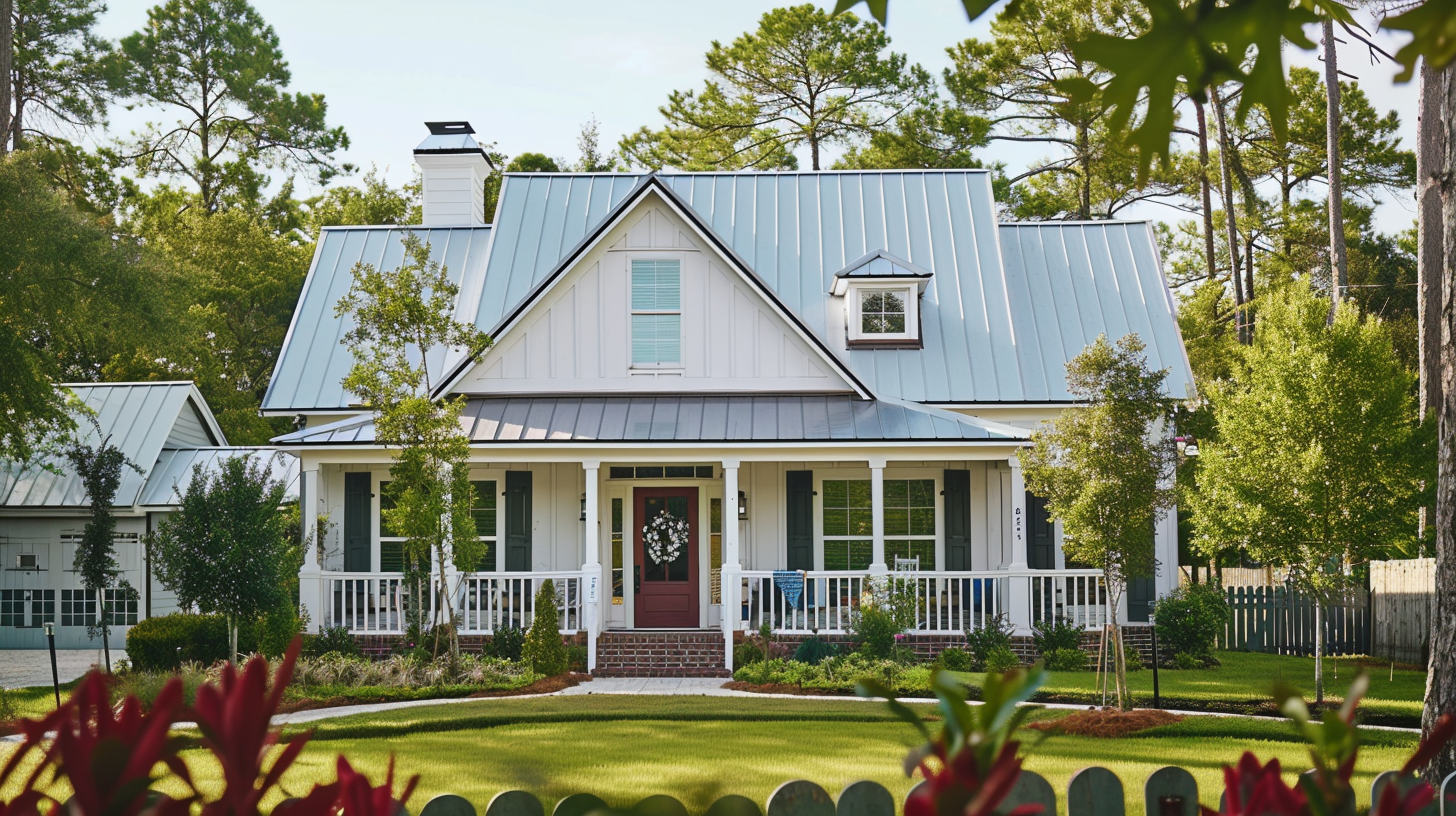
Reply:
x=575, y=420
x=136, y=417
x=168, y=482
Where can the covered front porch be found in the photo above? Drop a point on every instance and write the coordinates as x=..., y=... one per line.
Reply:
x=705, y=513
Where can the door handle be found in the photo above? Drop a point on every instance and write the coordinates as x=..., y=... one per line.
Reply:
x=637, y=578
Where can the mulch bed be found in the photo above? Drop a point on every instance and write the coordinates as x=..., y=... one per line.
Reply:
x=784, y=688
x=1107, y=723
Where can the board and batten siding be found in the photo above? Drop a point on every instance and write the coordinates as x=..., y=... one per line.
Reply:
x=577, y=338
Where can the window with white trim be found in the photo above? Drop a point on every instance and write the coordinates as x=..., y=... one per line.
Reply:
x=657, y=313
x=883, y=314
x=848, y=522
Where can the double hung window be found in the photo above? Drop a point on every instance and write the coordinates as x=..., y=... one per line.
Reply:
x=848, y=522
x=483, y=509
x=656, y=313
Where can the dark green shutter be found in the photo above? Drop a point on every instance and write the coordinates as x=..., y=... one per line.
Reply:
x=799, y=492
x=958, y=519
x=1041, y=535
x=357, y=513
x=518, y=521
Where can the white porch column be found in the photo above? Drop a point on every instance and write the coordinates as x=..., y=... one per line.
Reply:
x=877, y=515
x=728, y=579
x=591, y=567
x=310, y=575
x=1019, y=594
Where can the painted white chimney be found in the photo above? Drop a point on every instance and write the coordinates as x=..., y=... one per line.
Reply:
x=454, y=168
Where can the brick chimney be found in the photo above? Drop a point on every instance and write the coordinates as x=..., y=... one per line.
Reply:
x=454, y=167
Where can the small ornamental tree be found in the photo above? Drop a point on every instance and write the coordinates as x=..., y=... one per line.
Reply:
x=1105, y=468
x=225, y=550
x=543, y=648
x=100, y=469
x=1318, y=459
x=402, y=317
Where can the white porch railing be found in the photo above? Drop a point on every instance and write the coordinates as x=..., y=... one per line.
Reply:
x=493, y=600
x=943, y=602
x=375, y=603
x=1077, y=595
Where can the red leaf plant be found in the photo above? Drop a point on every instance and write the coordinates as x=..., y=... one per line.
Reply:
x=978, y=764
x=111, y=757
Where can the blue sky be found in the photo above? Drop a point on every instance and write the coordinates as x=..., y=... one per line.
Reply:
x=527, y=74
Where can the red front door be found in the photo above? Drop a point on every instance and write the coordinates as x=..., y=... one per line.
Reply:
x=666, y=582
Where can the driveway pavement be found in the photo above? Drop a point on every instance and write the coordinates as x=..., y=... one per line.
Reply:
x=32, y=667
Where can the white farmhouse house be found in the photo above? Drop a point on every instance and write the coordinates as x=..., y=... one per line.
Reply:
x=166, y=429
x=824, y=375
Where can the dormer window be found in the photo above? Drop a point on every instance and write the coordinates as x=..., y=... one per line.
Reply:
x=882, y=300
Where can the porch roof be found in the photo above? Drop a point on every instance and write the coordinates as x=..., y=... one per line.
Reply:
x=755, y=419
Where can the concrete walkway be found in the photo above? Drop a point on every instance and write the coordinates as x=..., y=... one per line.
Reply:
x=32, y=667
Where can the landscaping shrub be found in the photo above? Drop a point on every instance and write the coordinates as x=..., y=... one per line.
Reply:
x=506, y=643
x=992, y=637
x=1191, y=618
x=331, y=640
x=956, y=659
x=1185, y=661
x=543, y=650
x=747, y=652
x=1001, y=659
x=146, y=685
x=1057, y=634
x=576, y=658
x=815, y=650
x=408, y=671
x=874, y=631
x=1132, y=657
x=838, y=674
x=276, y=630
x=164, y=643
x=1065, y=660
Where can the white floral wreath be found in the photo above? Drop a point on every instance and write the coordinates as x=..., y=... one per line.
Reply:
x=664, y=537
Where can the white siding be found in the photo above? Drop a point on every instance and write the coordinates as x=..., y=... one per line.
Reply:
x=189, y=431
x=577, y=338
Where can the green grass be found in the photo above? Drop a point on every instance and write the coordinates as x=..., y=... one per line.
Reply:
x=1244, y=681
x=624, y=748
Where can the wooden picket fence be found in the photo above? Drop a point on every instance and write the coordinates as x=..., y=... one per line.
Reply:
x=1169, y=791
x=1402, y=600
x=1278, y=620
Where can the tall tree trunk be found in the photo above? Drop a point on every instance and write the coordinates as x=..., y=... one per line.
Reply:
x=1430, y=149
x=1084, y=198
x=232, y=622
x=7, y=64
x=1319, y=649
x=1209, y=251
x=1226, y=175
x=814, y=152
x=1339, y=265
x=1441, y=680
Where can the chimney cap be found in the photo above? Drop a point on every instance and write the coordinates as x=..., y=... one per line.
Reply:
x=450, y=138
x=449, y=128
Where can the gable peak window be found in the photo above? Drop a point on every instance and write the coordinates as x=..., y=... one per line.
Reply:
x=656, y=313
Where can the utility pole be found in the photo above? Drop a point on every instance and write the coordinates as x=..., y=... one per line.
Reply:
x=1339, y=266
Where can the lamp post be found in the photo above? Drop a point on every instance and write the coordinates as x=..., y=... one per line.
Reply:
x=50, y=630
x=1157, y=698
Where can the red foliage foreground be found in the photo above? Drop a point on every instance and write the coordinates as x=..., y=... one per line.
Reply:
x=110, y=757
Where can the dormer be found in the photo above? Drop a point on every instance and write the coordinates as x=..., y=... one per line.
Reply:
x=881, y=300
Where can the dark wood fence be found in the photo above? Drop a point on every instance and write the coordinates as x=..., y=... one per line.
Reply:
x=1278, y=620
x=1168, y=791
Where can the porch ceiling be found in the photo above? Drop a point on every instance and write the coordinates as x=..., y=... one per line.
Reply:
x=752, y=419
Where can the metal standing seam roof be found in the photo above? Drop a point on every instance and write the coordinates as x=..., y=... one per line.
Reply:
x=138, y=418
x=992, y=324
x=169, y=479
x=313, y=362
x=746, y=419
x=881, y=264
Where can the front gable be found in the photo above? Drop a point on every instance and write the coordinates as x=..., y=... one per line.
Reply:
x=577, y=337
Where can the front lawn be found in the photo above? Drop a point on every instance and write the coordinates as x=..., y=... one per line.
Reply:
x=623, y=748
x=697, y=749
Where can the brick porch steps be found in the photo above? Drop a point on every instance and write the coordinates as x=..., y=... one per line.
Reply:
x=660, y=653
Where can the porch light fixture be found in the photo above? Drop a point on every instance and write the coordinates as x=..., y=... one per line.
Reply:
x=583, y=507
x=1187, y=445
x=742, y=506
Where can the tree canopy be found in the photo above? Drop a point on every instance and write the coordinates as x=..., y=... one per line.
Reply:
x=804, y=78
